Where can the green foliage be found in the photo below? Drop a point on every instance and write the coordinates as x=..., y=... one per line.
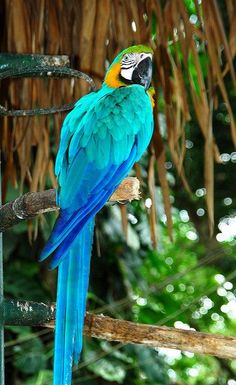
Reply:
x=44, y=377
x=110, y=369
x=29, y=357
x=186, y=283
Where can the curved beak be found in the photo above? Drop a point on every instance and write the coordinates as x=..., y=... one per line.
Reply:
x=142, y=73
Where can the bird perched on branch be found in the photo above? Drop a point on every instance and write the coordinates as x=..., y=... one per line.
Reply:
x=101, y=139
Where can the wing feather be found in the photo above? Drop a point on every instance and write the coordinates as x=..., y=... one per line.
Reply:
x=101, y=140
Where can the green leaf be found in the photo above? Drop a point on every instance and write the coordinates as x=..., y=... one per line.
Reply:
x=29, y=356
x=44, y=377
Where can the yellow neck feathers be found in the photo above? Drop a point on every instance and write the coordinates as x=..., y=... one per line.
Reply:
x=151, y=94
x=112, y=77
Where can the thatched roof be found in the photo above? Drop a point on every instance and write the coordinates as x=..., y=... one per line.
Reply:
x=93, y=31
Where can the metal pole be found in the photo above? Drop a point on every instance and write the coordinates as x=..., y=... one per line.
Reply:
x=2, y=372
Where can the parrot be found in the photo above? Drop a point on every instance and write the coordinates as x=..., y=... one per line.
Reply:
x=107, y=131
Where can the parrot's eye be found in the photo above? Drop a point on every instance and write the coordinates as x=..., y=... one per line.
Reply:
x=126, y=57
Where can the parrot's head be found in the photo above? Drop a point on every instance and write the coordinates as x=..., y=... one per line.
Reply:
x=131, y=66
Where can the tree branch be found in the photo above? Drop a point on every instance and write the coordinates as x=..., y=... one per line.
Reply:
x=31, y=204
x=110, y=329
x=99, y=326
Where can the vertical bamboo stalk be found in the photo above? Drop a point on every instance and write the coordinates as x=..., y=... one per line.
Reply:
x=2, y=376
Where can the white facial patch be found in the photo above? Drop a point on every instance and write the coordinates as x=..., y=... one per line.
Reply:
x=127, y=73
x=130, y=62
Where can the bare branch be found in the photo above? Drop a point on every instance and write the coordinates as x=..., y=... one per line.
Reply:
x=27, y=206
x=110, y=329
x=99, y=326
x=31, y=204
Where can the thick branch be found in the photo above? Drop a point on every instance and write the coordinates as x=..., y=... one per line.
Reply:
x=31, y=204
x=110, y=329
x=99, y=326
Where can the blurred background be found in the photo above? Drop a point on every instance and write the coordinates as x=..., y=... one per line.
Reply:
x=168, y=259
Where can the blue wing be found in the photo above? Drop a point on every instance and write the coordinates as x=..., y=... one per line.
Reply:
x=101, y=140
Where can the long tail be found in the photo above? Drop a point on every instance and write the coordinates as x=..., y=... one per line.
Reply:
x=72, y=290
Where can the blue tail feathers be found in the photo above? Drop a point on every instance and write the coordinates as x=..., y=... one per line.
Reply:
x=72, y=289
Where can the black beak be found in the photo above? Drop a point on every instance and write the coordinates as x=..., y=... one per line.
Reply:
x=142, y=74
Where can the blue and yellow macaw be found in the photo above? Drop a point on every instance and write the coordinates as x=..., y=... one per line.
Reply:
x=101, y=139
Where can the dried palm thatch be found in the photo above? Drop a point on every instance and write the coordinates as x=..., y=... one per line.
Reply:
x=93, y=31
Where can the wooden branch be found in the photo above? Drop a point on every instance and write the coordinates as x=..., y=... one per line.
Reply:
x=99, y=326
x=110, y=329
x=31, y=204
